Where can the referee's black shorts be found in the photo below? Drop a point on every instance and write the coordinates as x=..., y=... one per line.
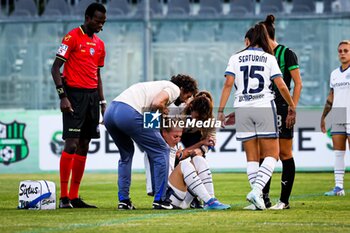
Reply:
x=282, y=112
x=84, y=121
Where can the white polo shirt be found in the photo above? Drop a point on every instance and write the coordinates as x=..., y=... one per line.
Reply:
x=141, y=95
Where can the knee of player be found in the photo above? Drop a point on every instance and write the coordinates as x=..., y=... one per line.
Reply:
x=186, y=166
x=83, y=148
x=70, y=146
x=284, y=155
x=199, y=158
x=200, y=162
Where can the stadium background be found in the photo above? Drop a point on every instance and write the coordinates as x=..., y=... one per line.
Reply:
x=178, y=36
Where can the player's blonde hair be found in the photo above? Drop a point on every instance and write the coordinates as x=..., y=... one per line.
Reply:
x=344, y=42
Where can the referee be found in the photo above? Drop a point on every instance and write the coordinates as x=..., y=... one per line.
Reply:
x=81, y=94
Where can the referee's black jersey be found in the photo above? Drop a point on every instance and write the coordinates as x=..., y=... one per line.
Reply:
x=287, y=61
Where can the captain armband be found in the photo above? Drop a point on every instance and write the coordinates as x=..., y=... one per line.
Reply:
x=60, y=91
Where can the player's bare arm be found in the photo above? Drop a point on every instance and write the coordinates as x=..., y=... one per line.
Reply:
x=284, y=91
x=327, y=109
x=225, y=94
x=290, y=121
x=297, y=85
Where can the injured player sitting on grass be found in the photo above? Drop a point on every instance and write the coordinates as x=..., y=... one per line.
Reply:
x=186, y=179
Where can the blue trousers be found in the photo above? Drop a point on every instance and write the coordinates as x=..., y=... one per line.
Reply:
x=125, y=124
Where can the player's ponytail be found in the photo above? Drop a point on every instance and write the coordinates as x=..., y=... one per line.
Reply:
x=260, y=38
x=249, y=34
x=270, y=26
x=270, y=19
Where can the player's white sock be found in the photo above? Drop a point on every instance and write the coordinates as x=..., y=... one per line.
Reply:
x=193, y=182
x=177, y=197
x=204, y=173
x=339, y=168
x=187, y=201
x=252, y=171
x=265, y=172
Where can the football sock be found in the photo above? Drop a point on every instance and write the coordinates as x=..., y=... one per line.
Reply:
x=266, y=189
x=265, y=172
x=193, y=182
x=287, y=179
x=187, y=200
x=204, y=173
x=339, y=168
x=77, y=174
x=66, y=162
x=252, y=171
x=177, y=196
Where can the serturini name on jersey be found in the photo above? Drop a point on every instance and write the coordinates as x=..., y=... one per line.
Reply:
x=251, y=57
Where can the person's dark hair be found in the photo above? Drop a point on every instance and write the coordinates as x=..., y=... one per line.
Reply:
x=249, y=34
x=90, y=10
x=204, y=94
x=260, y=38
x=185, y=82
x=270, y=26
x=203, y=104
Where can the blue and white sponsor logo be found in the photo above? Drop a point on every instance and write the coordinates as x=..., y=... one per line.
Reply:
x=92, y=51
x=250, y=97
x=151, y=120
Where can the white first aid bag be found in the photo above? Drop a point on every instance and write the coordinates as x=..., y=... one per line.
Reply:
x=37, y=195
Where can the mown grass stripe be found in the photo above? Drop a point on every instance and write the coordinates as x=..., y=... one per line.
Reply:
x=112, y=222
x=167, y=213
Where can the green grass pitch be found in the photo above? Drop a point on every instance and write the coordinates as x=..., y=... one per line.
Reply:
x=310, y=210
